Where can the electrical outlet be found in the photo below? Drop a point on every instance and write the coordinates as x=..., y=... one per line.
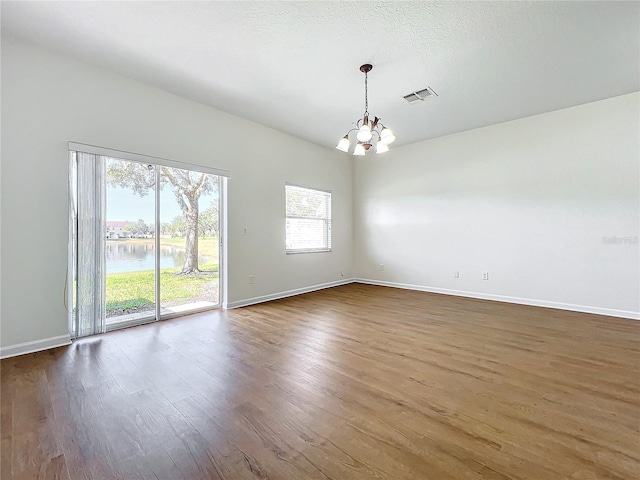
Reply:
x=250, y=279
x=244, y=231
x=456, y=274
x=381, y=267
x=342, y=274
x=485, y=275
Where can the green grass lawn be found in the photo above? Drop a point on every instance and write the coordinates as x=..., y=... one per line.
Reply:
x=133, y=290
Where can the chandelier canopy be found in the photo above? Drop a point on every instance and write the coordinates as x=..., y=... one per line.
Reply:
x=366, y=128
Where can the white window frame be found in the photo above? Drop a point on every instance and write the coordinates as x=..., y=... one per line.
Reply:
x=327, y=220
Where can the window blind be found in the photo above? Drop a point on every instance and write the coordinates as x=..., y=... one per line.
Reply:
x=308, y=219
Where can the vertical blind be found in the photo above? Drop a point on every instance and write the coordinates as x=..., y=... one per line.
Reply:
x=87, y=230
x=308, y=217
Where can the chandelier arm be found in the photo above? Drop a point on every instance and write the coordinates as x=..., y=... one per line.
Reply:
x=352, y=130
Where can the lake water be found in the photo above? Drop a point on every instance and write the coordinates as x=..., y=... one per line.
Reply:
x=134, y=257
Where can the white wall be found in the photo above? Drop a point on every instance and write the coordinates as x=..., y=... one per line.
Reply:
x=48, y=100
x=530, y=201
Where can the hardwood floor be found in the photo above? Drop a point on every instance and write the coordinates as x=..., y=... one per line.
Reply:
x=353, y=382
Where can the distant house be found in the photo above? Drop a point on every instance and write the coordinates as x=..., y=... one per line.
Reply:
x=115, y=229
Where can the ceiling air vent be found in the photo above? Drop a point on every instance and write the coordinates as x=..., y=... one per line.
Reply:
x=420, y=95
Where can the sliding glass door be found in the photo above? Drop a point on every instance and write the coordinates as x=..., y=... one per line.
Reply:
x=189, y=237
x=130, y=245
x=145, y=242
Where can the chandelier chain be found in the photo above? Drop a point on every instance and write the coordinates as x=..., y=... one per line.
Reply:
x=366, y=94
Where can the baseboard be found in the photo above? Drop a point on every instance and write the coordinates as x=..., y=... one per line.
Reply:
x=288, y=293
x=503, y=298
x=62, y=340
x=35, y=346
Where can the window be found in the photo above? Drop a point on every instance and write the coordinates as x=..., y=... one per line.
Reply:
x=308, y=220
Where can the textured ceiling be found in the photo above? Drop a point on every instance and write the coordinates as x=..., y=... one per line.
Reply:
x=294, y=65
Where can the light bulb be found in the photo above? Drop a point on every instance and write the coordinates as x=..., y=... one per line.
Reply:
x=359, y=150
x=364, y=133
x=381, y=148
x=343, y=144
x=387, y=137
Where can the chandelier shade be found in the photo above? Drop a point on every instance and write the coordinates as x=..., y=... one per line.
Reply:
x=366, y=128
x=359, y=150
x=387, y=137
x=364, y=133
x=343, y=144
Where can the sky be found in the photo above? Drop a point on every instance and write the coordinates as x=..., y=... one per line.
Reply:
x=123, y=205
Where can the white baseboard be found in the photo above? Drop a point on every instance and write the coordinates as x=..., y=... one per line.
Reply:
x=62, y=340
x=35, y=346
x=503, y=298
x=288, y=293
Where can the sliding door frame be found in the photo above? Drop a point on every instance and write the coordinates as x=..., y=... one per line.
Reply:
x=157, y=162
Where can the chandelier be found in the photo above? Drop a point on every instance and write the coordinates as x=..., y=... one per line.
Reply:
x=368, y=129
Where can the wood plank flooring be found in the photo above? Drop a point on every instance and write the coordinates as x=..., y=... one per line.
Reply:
x=349, y=383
